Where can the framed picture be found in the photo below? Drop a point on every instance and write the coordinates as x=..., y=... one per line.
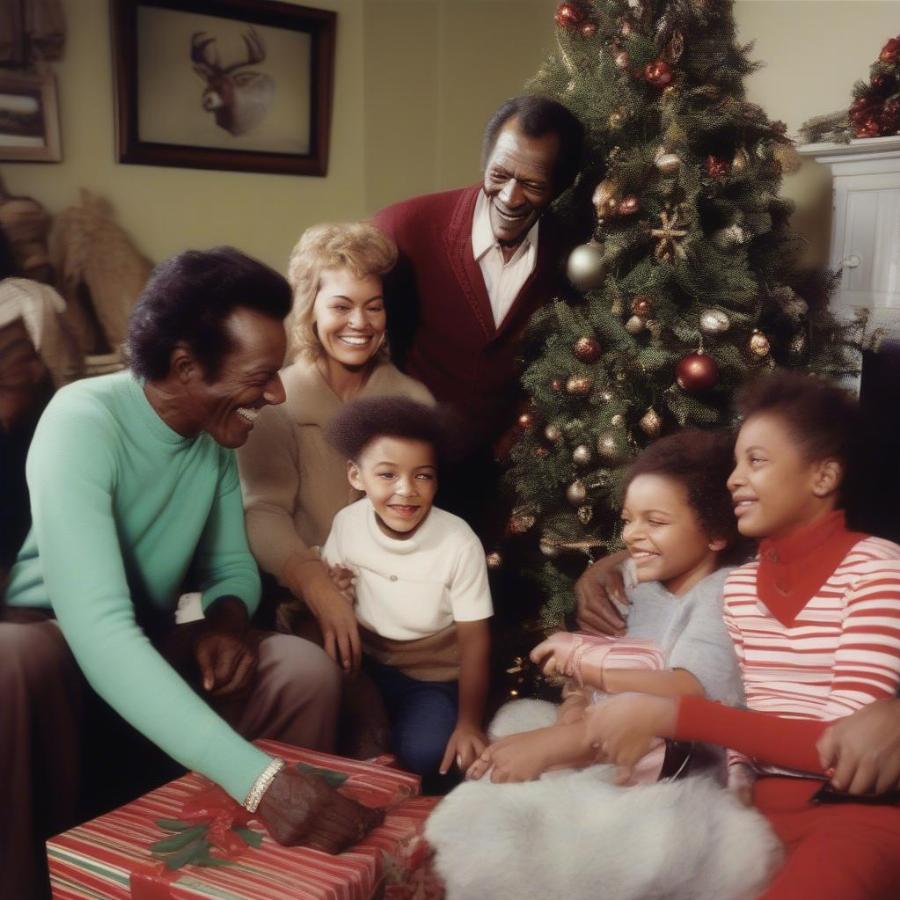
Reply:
x=223, y=84
x=29, y=118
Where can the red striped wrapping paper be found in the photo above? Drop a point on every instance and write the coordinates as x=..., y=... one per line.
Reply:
x=109, y=857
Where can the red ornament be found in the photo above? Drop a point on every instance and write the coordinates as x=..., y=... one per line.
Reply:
x=882, y=84
x=658, y=73
x=890, y=116
x=587, y=349
x=869, y=127
x=862, y=109
x=696, y=373
x=588, y=29
x=717, y=168
x=569, y=15
x=890, y=52
x=642, y=306
x=541, y=452
x=556, y=385
x=629, y=205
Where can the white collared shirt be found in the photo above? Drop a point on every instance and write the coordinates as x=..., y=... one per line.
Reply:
x=503, y=279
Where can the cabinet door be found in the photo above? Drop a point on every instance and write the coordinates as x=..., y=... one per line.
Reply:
x=866, y=243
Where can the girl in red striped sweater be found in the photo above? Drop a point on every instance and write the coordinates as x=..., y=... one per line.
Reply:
x=815, y=621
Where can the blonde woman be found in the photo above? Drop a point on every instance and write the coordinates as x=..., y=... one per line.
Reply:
x=293, y=480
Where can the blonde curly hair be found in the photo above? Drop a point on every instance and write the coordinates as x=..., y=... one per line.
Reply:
x=358, y=247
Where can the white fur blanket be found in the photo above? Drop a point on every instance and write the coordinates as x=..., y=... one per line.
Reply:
x=575, y=835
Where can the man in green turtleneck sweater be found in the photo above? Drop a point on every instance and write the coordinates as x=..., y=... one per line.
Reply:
x=135, y=496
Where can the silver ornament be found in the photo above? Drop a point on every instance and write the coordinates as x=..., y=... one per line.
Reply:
x=579, y=385
x=548, y=547
x=576, y=493
x=714, y=321
x=586, y=267
x=650, y=423
x=553, y=433
x=582, y=455
x=494, y=560
x=618, y=420
x=667, y=163
x=635, y=325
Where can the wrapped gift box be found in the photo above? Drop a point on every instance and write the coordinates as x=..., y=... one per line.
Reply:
x=188, y=839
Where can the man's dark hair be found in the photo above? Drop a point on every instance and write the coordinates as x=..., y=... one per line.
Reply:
x=822, y=418
x=537, y=116
x=187, y=300
x=363, y=421
x=701, y=461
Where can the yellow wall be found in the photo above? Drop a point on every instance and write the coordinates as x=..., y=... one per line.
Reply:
x=415, y=82
x=392, y=133
x=814, y=51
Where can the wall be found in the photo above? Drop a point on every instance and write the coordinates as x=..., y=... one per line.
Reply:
x=422, y=76
x=415, y=83
x=814, y=51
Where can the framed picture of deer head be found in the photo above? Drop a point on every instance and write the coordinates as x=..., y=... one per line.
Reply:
x=224, y=84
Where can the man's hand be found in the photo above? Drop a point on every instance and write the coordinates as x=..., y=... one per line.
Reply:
x=864, y=749
x=519, y=757
x=623, y=727
x=600, y=584
x=299, y=808
x=465, y=745
x=343, y=579
x=227, y=652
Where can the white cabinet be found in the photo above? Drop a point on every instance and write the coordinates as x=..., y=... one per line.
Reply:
x=865, y=234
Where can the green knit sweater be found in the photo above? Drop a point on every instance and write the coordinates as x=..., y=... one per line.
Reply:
x=122, y=508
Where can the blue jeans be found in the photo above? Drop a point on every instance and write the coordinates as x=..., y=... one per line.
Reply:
x=422, y=716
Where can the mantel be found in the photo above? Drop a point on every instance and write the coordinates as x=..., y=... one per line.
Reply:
x=860, y=150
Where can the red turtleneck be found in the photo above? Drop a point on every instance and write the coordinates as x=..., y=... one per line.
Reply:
x=815, y=622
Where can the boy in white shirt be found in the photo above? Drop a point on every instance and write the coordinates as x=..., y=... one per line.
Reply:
x=421, y=590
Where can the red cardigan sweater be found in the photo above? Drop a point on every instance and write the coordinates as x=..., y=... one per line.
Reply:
x=439, y=315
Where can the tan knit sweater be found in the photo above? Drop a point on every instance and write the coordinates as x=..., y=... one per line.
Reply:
x=293, y=481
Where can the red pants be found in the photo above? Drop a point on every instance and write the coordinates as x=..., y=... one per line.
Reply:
x=834, y=852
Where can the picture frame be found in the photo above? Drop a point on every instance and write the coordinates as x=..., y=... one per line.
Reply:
x=29, y=118
x=242, y=85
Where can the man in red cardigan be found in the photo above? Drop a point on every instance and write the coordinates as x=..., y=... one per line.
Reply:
x=474, y=265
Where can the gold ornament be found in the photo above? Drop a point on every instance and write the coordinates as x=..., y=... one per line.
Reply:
x=798, y=347
x=553, y=433
x=585, y=514
x=609, y=447
x=617, y=307
x=635, y=325
x=650, y=423
x=714, y=321
x=526, y=420
x=579, y=385
x=616, y=119
x=586, y=266
x=605, y=191
x=607, y=396
x=618, y=420
x=494, y=560
x=759, y=344
x=622, y=59
x=669, y=235
x=576, y=493
x=582, y=455
x=740, y=162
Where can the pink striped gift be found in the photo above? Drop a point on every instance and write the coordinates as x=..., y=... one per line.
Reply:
x=111, y=856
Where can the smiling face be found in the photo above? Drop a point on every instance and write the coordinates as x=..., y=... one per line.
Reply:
x=349, y=317
x=247, y=380
x=519, y=181
x=775, y=487
x=399, y=476
x=664, y=535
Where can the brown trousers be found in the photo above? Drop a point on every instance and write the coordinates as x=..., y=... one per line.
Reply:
x=295, y=699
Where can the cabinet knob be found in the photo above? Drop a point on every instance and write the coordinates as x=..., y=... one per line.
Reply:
x=852, y=261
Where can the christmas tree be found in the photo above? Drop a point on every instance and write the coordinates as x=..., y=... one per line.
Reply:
x=689, y=284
